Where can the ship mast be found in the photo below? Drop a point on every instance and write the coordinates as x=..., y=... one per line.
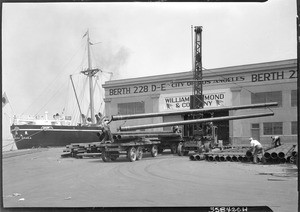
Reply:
x=90, y=72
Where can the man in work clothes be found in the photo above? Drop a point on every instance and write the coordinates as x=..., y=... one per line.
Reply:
x=256, y=148
x=276, y=141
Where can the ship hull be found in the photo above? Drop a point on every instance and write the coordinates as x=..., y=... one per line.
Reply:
x=35, y=136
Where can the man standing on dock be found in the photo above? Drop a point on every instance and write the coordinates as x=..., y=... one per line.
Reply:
x=256, y=148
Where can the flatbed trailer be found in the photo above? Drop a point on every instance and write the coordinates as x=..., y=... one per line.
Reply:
x=130, y=144
x=133, y=150
x=77, y=149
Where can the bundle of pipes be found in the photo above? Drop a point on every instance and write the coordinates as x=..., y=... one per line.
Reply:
x=197, y=157
x=231, y=158
x=226, y=156
x=295, y=151
x=293, y=155
x=249, y=152
x=280, y=154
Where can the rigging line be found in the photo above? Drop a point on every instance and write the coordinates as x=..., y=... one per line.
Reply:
x=101, y=89
x=94, y=56
x=101, y=94
x=83, y=59
x=11, y=108
x=54, y=80
x=234, y=83
x=96, y=59
x=67, y=99
x=94, y=94
x=53, y=95
x=47, y=102
x=83, y=91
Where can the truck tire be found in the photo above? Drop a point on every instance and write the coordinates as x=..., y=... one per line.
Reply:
x=131, y=154
x=173, y=148
x=114, y=157
x=139, y=153
x=179, y=149
x=154, y=151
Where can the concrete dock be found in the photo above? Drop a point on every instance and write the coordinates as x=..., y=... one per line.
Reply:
x=41, y=178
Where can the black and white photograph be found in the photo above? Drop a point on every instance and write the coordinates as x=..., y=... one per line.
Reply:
x=187, y=106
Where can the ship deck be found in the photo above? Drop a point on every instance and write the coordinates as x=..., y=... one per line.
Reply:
x=41, y=178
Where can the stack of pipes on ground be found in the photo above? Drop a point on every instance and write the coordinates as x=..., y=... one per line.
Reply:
x=286, y=153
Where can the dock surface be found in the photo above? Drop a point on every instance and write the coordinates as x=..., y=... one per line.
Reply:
x=41, y=178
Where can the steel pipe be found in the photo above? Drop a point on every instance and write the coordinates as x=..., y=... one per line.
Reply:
x=195, y=121
x=245, y=159
x=200, y=157
x=248, y=154
x=274, y=155
x=191, y=111
x=282, y=160
x=192, y=157
x=228, y=158
x=274, y=160
x=281, y=155
x=292, y=159
x=294, y=153
x=211, y=158
x=222, y=158
x=234, y=158
x=240, y=158
x=267, y=155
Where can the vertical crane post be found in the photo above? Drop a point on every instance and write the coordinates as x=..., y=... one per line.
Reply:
x=196, y=99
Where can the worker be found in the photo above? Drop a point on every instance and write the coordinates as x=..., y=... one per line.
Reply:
x=256, y=148
x=88, y=121
x=276, y=141
x=176, y=129
x=107, y=136
x=97, y=119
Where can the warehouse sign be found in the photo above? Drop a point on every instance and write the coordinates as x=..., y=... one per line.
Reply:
x=167, y=86
x=182, y=101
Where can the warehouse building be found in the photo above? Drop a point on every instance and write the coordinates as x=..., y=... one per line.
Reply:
x=229, y=86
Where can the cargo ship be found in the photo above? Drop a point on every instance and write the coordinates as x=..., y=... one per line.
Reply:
x=57, y=131
x=36, y=133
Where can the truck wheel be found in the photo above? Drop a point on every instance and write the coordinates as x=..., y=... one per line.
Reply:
x=179, y=149
x=173, y=148
x=114, y=157
x=105, y=156
x=160, y=150
x=139, y=153
x=131, y=154
x=154, y=151
x=185, y=153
